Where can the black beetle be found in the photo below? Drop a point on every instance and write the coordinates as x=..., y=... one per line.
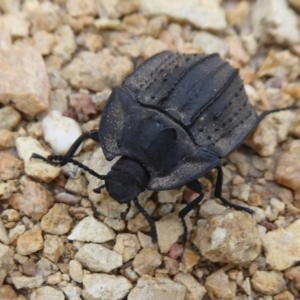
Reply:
x=173, y=120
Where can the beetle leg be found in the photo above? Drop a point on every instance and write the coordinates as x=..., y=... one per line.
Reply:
x=197, y=187
x=98, y=189
x=63, y=160
x=93, y=134
x=124, y=213
x=267, y=112
x=59, y=160
x=218, y=193
x=134, y=62
x=149, y=219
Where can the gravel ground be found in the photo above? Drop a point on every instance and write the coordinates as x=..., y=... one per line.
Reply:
x=59, y=61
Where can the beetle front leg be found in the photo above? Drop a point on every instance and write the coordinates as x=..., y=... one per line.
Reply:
x=197, y=187
x=218, y=193
x=61, y=160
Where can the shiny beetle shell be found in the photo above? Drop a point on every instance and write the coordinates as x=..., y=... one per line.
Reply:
x=178, y=115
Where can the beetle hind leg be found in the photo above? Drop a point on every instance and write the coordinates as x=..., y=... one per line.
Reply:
x=218, y=193
x=197, y=187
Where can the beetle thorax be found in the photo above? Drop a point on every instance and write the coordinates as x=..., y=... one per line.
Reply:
x=126, y=180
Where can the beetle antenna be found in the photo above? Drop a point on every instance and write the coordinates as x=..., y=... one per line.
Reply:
x=59, y=160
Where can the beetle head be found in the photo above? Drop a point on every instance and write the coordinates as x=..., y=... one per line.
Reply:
x=126, y=180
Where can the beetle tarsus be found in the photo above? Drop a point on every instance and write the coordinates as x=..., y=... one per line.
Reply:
x=38, y=156
x=235, y=206
x=197, y=187
x=124, y=213
x=149, y=219
x=59, y=160
x=96, y=214
x=98, y=189
x=271, y=111
x=185, y=232
x=218, y=193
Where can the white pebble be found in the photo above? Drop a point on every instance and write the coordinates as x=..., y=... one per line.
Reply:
x=60, y=132
x=91, y=230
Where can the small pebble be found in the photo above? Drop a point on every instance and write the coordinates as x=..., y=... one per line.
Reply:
x=110, y=287
x=30, y=241
x=231, y=237
x=188, y=260
x=65, y=43
x=21, y=282
x=219, y=286
x=53, y=247
x=169, y=196
x=71, y=291
x=211, y=208
x=149, y=288
x=35, y=168
x=176, y=250
x=281, y=246
x=45, y=267
x=60, y=132
x=10, y=6
x=210, y=43
x=7, y=139
x=57, y=220
x=201, y=15
x=34, y=202
x=78, y=8
x=97, y=258
x=168, y=232
x=24, y=79
x=284, y=296
x=171, y=265
x=3, y=233
x=47, y=292
x=127, y=245
x=287, y=169
x=54, y=278
x=92, y=71
x=115, y=224
x=44, y=42
x=91, y=230
x=268, y=283
x=76, y=271
x=9, y=118
x=67, y=198
x=280, y=64
x=194, y=290
x=274, y=21
x=293, y=274
x=15, y=232
x=7, y=292
x=146, y=261
x=6, y=261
